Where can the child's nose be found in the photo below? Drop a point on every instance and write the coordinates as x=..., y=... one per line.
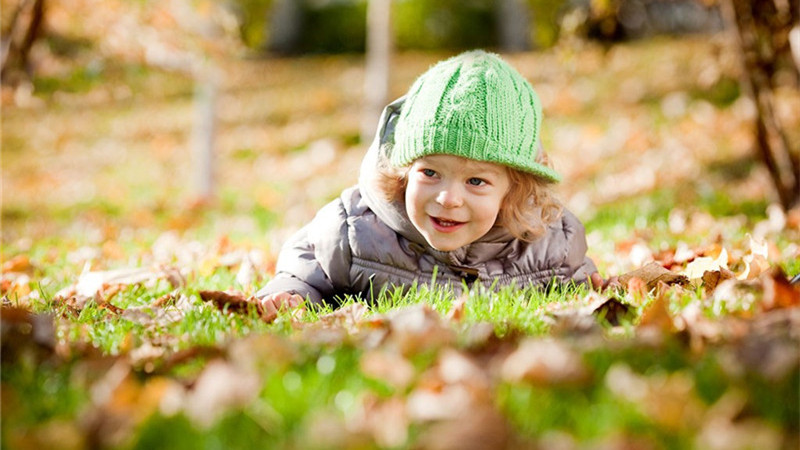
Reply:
x=449, y=198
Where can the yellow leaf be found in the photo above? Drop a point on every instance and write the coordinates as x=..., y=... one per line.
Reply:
x=695, y=269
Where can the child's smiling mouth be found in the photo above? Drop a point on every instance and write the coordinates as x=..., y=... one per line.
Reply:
x=445, y=225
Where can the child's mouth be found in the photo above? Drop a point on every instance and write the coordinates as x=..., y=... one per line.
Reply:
x=445, y=224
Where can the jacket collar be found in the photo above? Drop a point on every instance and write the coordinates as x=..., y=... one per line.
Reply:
x=492, y=245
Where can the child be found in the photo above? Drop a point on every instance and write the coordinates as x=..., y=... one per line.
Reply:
x=454, y=188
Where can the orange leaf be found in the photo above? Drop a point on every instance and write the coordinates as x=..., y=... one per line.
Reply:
x=779, y=292
x=652, y=273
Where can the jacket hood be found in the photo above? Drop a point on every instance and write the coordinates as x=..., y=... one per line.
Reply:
x=393, y=213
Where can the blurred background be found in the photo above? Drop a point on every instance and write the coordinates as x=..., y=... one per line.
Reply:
x=122, y=119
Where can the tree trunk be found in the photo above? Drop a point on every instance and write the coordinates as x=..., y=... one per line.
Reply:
x=376, y=72
x=26, y=27
x=763, y=28
x=203, y=137
x=513, y=25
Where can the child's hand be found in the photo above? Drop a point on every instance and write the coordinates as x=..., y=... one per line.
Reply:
x=278, y=301
x=600, y=285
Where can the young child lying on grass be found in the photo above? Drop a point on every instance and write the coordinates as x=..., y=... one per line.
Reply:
x=454, y=188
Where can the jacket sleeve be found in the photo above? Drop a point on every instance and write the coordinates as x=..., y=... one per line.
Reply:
x=580, y=267
x=315, y=261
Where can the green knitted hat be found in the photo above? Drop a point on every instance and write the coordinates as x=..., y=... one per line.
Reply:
x=476, y=106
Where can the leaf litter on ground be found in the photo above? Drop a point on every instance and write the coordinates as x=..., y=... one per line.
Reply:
x=423, y=375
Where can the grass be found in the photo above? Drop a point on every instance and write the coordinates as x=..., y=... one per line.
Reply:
x=151, y=365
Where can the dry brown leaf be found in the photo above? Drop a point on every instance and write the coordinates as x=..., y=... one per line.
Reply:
x=247, y=274
x=581, y=317
x=711, y=279
x=238, y=304
x=695, y=269
x=477, y=429
x=19, y=263
x=234, y=302
x=389, y=367
x=669, y=399
x=386, y=420
x=778, y=291
x=756, y=261
x=26, y=334
x=89, y=283
x=447, y=402
x=637, y=287
x=544, y=362
x=657, y=315
x=456, y=367
x=456, y=312
x=101, y=285
x=612, y=310
x=652, y=273
x=16, y=286
x=220, y=387
x=348, y=317
x=725, y=427
x=118, y=404
x=417, y=328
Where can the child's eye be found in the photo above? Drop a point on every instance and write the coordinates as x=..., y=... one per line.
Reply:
x=428, y=172
x=476, y=181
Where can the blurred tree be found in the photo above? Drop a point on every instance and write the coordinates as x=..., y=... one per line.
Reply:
x=376, y=72
x=513, y=25
x=285, y=27
x=20, y=29
x=763, y=28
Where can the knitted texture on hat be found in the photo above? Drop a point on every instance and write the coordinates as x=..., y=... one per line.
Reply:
x=476, y=106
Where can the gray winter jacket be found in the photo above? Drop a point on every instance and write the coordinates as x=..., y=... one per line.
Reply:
x=360, y=244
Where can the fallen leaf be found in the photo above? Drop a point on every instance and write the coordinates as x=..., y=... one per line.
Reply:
x=247, y=274
x=237, y=303
x=637, y=287
x=347, y=317
x=712, y=278
x=612, y=310
x=388, y=367
x=417, y=328
x=477, y=429
x=92, y=284
x=652, y=273
x=457, y=309
x=756, y=262
x=220, y=387
x=594, y=305
x=448, y=402
x=19, y=263
x=544, y=362
x=89, y=283
x=387, y=421
x=695, y=269
x=657, y=315
x=26, y=334
x=669, y=399
x=778, y=291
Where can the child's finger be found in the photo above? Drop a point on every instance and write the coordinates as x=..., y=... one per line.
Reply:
x=269, y=311
x=294, y=301
x=596, y=281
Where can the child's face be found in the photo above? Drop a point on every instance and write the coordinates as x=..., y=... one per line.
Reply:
x=453, y=201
